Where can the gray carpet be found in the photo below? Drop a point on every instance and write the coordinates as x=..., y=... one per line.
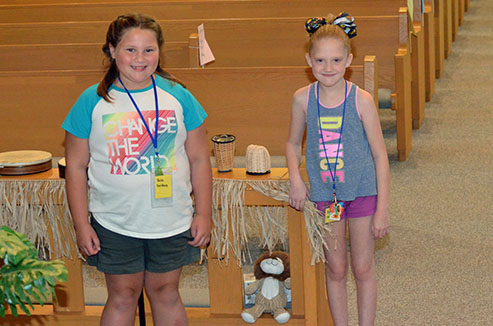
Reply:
x=435, y=267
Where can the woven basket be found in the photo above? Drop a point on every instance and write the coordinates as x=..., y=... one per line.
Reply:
x=224, y=152
x=257, y=160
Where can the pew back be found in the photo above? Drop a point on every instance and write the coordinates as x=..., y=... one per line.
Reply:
x=59, y=11
x=76, y=56
x=234, y=42
x=252, y=103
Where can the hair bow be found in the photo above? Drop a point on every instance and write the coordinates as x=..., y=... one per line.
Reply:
x=313, y=24
x=346, y=22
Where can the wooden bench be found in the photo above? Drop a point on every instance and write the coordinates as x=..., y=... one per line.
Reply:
x=448, y=16
x=309, y=306
x=78, y=11
x=247, y=45
x=83, y=56
x=238, y=100
x=258, y=98
x=425, y=19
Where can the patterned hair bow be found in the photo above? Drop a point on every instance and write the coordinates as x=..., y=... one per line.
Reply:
x=313, y=24
x=344, y=21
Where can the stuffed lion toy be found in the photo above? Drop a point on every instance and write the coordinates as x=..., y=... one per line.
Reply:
x=272, y=277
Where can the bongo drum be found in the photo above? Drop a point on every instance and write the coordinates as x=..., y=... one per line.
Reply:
x=61, y=167
x=24, y=162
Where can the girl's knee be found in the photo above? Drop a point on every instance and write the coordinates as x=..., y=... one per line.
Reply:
x=124, y=299
x=336, y=271
x=363, y=271
x=166, y=293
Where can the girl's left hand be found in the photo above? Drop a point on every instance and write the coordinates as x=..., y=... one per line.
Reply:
x=381, y=224
x=201, y=231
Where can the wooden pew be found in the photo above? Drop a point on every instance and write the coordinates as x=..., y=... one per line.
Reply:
x=462, y=9
x=448, y=26
x=387, y=62
x=402, y=97
x=439, y=19
x=77, y=11
x=246, y=46
x=247, y=99
x=428, y=23
x=259, y=97
x=82, y=56
x=455, y=19
x=419, y=63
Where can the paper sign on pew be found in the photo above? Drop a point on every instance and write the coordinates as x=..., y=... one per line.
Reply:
x=205, y=52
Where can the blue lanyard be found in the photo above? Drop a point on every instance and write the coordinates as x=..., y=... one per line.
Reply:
x=332, y=175
x=153, y=139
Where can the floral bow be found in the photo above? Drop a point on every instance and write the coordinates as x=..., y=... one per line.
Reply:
x=344, y=21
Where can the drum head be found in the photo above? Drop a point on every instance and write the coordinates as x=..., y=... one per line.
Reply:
x=24, y=162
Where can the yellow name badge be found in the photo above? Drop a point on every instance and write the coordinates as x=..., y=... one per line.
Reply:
x=162, y=186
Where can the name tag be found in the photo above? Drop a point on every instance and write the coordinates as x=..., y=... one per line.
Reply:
x=162, y=186
x=333, y=212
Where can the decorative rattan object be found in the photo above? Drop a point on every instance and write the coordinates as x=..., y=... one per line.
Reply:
x=257, y=160
x=224, y=152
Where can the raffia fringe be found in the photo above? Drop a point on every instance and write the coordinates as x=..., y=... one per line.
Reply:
x=229, y=216
x=38, y=209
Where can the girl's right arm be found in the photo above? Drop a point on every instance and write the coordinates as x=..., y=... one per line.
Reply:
x=77, y=159
x=297, y=190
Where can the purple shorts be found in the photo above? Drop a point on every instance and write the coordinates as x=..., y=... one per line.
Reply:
x=359, y=207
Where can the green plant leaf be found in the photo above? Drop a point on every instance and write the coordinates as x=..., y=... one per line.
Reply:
x=23, y=275
x=13, y=307
x=9, y=295
x=16, y=246
x=19, y=291
x=24, y=308
x=35, y=296
x=29, y=302
x=41, y=294
x=39, y=282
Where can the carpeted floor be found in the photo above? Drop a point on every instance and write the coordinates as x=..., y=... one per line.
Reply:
x=436, y=267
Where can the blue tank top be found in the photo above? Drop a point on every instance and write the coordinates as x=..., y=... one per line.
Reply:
x=355, y=174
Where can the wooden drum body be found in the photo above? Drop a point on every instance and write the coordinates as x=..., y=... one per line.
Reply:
x=24, y=162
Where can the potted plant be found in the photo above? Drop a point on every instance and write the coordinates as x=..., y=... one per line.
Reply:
x=23, y=276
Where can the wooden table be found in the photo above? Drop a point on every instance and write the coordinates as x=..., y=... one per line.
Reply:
x=309, y=302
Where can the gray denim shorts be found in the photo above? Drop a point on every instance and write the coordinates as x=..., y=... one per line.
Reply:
x=122, y=254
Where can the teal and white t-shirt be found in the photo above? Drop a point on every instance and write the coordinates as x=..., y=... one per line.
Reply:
x=122, y=156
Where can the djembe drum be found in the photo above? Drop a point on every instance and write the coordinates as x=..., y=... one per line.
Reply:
x=24, y=162
x=62, y=164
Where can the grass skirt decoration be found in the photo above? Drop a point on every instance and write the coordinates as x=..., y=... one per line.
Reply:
x=229, y=212
x=38, y=209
